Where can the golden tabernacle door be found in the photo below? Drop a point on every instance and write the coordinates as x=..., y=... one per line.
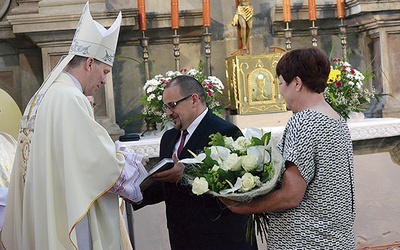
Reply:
x=253, y=87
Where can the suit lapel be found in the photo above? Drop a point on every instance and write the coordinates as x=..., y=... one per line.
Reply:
x=169, y=143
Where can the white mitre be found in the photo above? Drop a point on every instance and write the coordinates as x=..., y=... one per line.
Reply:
x=93, y=40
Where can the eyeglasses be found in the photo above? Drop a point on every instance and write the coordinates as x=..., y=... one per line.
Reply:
x=172, y=105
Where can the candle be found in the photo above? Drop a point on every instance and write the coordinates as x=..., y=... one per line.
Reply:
x=341, y=12
x=142, y=14
x=174, y=14
x=206, y=13
x=286, y=11
x=312, y=10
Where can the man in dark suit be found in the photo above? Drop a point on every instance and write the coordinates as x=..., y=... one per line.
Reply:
x=194, y=222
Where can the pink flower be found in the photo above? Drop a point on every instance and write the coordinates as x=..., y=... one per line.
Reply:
x=183, y=70
x=209, y=94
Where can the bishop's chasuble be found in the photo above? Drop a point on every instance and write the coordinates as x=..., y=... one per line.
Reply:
x=65, y=164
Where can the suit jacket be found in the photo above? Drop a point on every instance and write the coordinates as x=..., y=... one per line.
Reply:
x=198, y=222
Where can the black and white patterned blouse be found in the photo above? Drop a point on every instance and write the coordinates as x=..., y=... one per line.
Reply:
x=321, y=148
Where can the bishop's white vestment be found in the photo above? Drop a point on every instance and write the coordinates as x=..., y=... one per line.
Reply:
x=65, y=166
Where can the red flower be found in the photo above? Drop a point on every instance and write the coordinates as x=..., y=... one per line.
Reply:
x=352, y=71
x=338, y=84
x=209, y=93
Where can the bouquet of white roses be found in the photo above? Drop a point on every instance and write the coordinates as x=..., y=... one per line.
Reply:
x=239, y=170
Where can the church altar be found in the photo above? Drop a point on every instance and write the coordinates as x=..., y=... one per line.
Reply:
x=368, y=135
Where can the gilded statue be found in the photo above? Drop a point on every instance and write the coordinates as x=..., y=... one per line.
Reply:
x=244, y=18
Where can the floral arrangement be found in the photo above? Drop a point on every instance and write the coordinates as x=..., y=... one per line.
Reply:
x=346, y=89
x=152, y=99
x=238, y=169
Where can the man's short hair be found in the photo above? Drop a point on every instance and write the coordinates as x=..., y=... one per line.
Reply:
x=188, y=85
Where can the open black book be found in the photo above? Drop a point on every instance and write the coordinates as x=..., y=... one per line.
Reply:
x=162, y=165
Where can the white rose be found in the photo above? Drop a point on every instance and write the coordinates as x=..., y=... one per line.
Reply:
x=249, y=181
x=249, y=162
x=241, y=144
x=232, y=163
x=200, y=186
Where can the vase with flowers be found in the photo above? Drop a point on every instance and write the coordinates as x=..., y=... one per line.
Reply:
x=347, y=91
x=152, y=102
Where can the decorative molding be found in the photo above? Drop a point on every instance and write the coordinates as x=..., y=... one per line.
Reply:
x=147, y=146
x=374, y=128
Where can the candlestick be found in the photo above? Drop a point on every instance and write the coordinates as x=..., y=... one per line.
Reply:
x=342, y=30
x=288, y=36
x=206, y=13
x=142, y=15
x=286, y=11
x=174, y=14
x=312, y=10
x=341, y=12
x=144, y=43
x=175, y=42
x=207, y=48
x=314, y=33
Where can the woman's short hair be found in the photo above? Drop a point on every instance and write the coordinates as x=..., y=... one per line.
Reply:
x=188, y=85
x=311, y=65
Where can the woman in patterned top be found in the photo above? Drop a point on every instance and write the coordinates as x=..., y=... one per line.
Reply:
x=314, y=207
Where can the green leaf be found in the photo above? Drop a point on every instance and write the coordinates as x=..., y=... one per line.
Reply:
x=217, y=140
